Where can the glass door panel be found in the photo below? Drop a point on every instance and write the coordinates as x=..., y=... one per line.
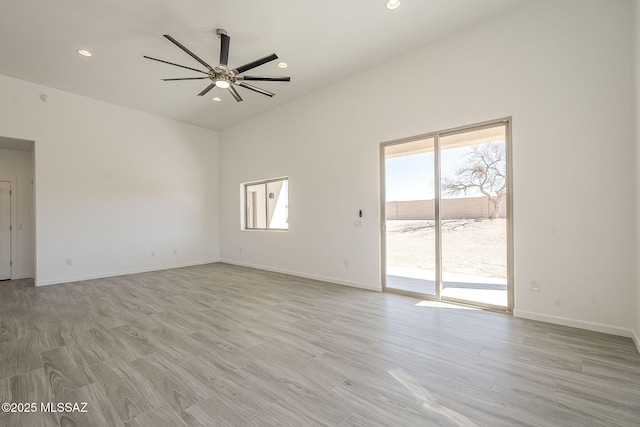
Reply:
x=473, y=212
x=410, y=217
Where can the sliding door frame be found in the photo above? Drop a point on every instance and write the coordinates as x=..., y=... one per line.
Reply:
x=507, y=122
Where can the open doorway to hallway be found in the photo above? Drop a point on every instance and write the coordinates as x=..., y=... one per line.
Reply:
x=17, y=246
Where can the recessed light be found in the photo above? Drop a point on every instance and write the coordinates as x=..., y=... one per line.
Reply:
x=282, y=65
x=393, y=4
x=84, y=52
x=215, y=98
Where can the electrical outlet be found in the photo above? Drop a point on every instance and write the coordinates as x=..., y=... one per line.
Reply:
x=346, y=263
x=175, y=252
x=68, y=261
x=153, y=254
x=535, y=286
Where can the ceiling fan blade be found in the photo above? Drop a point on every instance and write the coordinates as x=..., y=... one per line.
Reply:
x=224, y=48
x=235, y=93
x=246, y=67
x=265, y=78
x=187, y=51
x=256, y=89
x=184, y=78
x=177, y=65
x=207, y=89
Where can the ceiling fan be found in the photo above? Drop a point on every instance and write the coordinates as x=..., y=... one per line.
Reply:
x=222, y=76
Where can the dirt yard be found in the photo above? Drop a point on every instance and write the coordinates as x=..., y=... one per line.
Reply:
x=469, y=246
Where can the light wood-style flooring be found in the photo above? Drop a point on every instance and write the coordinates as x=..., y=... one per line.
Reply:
x=231, y=346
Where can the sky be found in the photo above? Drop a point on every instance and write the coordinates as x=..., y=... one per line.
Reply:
x=412, y=177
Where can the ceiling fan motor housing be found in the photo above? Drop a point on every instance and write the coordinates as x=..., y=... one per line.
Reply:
x=222, y=74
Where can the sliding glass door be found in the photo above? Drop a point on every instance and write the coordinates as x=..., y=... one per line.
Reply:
x=410, y=215
x=446, y=200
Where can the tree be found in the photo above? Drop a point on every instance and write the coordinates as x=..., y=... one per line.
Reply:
x=484, y=169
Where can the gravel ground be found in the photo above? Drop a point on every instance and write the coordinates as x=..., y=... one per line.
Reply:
x=469, y=246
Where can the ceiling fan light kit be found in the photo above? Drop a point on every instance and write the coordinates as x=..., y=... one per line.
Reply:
x=223, y=82
x=222, y=76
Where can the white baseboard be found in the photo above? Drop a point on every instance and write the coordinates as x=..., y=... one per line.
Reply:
x=168, y=267
x=120, y=273
x=22, y=276
x=636, y=340
x=581, y=324
x=305, y=275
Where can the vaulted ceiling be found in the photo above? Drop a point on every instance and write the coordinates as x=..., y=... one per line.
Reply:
x=321, y=41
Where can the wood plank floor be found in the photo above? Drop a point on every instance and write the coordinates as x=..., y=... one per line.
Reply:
x=231, y=346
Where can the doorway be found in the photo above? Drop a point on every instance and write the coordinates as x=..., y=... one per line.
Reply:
x=447, y=228
x=17, y=160
x=5, y=230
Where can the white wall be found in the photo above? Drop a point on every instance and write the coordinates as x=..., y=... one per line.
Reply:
x=635, y=56
x=561, y=69
x=18, y=166
x=113, y=185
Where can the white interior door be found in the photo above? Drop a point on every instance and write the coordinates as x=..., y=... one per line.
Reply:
x=5, y=230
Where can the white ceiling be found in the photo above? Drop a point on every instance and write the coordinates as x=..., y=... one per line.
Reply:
x=321, y=40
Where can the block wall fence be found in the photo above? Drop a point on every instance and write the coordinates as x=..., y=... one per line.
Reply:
x=460, y=208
